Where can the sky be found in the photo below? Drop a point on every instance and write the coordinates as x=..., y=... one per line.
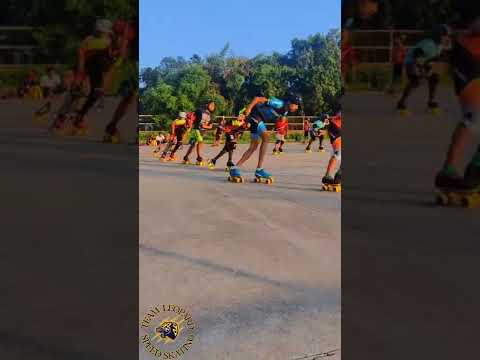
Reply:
x=186, y=27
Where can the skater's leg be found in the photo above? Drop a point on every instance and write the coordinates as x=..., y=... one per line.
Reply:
x=220, y=154
x=433, y=81
x=336, y=157
x=263, y=149
x=189, y=151
x=320, y=142
x=247, y=154
x=120, y=111
x=199, y=150
x=282, y=142
x=277, y=146
x=310, y=142
x=460, y=138
x=175, y=149
x=413, y=83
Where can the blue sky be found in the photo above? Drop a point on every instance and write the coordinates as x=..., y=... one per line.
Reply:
x=185, y=27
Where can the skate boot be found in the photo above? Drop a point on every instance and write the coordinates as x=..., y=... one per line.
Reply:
x=186, y=161
x=41, y=115
x=171, y=158
x=211, y=164
x=163, y=157
x=275, y=152
x=235, y=176
x=79, y=127
x=448, y=178
x=433, y=108
x=402, y=109
x=321, y=149
x=328, y=184
x=471, y=179
x=59, y=125
x=112, y=135
x=230, y=165
x=261, y=176
x=471, y=183
x=200, y=162
x=308, y=150
x=280, y=151
x=337, y=180
x=449, y=185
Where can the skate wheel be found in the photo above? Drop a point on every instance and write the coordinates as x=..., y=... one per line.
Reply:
x=471, y=201
x=405, y=113
x=256, y=180
x=269, y=181
x=442, y=200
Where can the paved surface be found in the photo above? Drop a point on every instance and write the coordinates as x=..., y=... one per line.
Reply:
x=257, y=266
x=57, y=301
x=397, y=247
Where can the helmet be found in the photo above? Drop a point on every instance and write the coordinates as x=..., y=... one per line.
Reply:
x=182, y=115
x=103, y=26
x=440, y=31
x=294, y=99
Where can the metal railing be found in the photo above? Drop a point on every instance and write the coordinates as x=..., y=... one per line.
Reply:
x=377, y=43
x=294, y=122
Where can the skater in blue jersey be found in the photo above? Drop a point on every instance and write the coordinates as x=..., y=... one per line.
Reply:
x=259, y=112
x=418, y=65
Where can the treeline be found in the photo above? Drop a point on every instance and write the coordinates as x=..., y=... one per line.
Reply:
x=60, y=25
x=311, y=68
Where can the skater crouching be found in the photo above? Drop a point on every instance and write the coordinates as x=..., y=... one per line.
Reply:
x=259, y=112
x=418, y=66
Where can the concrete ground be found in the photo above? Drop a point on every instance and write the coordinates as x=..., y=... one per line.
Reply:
x=257, y=266
x=60, y=239
x=397, y=246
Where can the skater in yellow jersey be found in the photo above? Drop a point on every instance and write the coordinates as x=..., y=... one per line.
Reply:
x=202, y=122
x=177, y=133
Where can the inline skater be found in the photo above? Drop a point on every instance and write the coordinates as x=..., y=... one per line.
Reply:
x=418, y=65
x=281, y=132
x=333, y=125
x=260, y=111
x=177, y=133
x=316, y=132
x=232, y=128
x=201, y=123
x=466, y=70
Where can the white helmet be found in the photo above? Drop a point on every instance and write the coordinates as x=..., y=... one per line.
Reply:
x=183, y=115
x=104, y=26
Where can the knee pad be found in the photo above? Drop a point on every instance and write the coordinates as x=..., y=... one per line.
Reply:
x=471, y=121
x=338, y=155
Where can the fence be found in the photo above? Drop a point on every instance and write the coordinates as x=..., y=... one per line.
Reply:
x=295, y=123
x=376, y=46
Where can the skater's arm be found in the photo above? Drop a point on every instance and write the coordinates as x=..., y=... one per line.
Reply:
x=255, y=101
